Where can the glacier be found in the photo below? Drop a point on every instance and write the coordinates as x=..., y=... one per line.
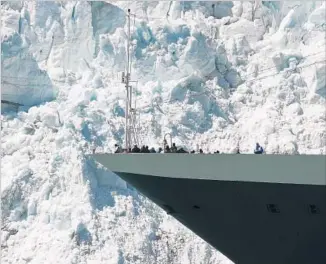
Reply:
x=214, y=74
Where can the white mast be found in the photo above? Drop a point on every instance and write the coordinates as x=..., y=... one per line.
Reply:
x=130, y=113
x=127, y=77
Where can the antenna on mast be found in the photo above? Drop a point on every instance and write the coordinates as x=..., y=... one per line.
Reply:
x=131, y=132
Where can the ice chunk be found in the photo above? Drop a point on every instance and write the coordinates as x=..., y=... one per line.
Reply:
x=318, y=16
x=198, y=56
x=288, y=21
x=23, y=81
x=243, y=27
x=294, y=109
x=233, y=78
x=191, y=83
x=319, y=83
x=31, y=207
x=222, y=9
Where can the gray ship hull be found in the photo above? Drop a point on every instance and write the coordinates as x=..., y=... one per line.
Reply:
x=255, y=209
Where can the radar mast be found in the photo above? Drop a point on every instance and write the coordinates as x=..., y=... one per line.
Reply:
x=131, y=126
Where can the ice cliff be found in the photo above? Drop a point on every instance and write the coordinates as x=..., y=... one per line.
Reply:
x=216, y=74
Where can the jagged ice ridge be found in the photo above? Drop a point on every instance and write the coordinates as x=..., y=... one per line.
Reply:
x=217, y=76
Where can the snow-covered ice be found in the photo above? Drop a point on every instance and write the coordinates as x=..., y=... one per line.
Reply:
x=217, y=76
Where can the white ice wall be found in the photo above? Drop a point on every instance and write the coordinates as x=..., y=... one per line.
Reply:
x=218, y=80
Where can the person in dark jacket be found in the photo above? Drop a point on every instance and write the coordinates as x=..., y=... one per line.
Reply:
x=118, y=149
x=259, y=149
x=147, y=150
x=167, y=149
x=135, y=149
x=174, y=148
x=181, y=150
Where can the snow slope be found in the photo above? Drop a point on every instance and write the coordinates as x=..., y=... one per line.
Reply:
x=216, y=76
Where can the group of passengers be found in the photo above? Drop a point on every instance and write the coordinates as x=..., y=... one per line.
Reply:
x=173, y=149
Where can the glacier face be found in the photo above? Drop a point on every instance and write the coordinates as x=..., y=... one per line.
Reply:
x=217, y=76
